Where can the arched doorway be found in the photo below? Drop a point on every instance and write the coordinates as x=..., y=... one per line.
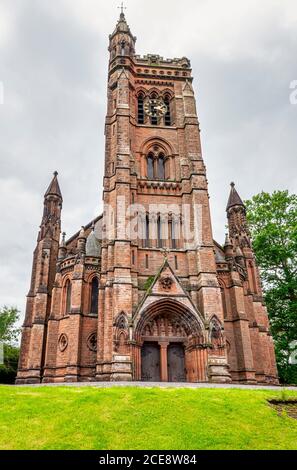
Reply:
x=170, y=344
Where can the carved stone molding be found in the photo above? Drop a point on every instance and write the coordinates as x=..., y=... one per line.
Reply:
x=166, y=282
x=63, y=342
x=92, y=342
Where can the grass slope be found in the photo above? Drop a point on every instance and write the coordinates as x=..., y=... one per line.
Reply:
x=142, y=418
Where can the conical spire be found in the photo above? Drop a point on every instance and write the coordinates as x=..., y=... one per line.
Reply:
x=82, y=234
x=81, y=241
x=93, y=246
x=121, y=41
x=122, y=25
x=237, y=220
x=227, y=240
x=51, y=220
x=62, y=248
x=228, y=247
x=238, y=252
x=63, y=241
x=54, y=188
x=239, y=256
x=234, y=198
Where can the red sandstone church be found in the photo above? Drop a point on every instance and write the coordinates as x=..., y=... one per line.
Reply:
x=143, y=292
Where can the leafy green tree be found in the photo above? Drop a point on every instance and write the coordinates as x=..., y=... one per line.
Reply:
x=8, y=370
x=8, y=337
x=273, y=222
x=8, y=331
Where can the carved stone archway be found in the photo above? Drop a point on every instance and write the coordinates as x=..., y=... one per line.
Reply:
x=175, y=340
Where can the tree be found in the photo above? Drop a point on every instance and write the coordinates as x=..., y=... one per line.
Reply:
x=8, y=331
x=8, y=370
x=8, y=337
x=273, y=223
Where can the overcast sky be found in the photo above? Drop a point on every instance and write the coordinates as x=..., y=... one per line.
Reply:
x=53, y=66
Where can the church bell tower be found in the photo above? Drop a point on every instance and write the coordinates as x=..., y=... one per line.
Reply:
x=159, y=290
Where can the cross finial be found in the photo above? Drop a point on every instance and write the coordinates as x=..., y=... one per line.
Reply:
x=122, y=8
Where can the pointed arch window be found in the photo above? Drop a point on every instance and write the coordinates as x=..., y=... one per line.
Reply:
x=150, y=166
x=157, y=166
x=167, y=168
x=167, y=118
x=161, y=167
x=68, y=290
x=172, y=235
x=159, y=231
x=140, y=110
x=94, y=295
x=147, y=230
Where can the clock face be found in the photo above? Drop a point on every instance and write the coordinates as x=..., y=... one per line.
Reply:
x=155, y=107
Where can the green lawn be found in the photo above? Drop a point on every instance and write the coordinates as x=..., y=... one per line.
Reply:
x=142, y=418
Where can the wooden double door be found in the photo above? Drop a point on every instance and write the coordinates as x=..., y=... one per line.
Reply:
x=151, y=362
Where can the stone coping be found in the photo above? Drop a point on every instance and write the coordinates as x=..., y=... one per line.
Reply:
x=163, y=385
